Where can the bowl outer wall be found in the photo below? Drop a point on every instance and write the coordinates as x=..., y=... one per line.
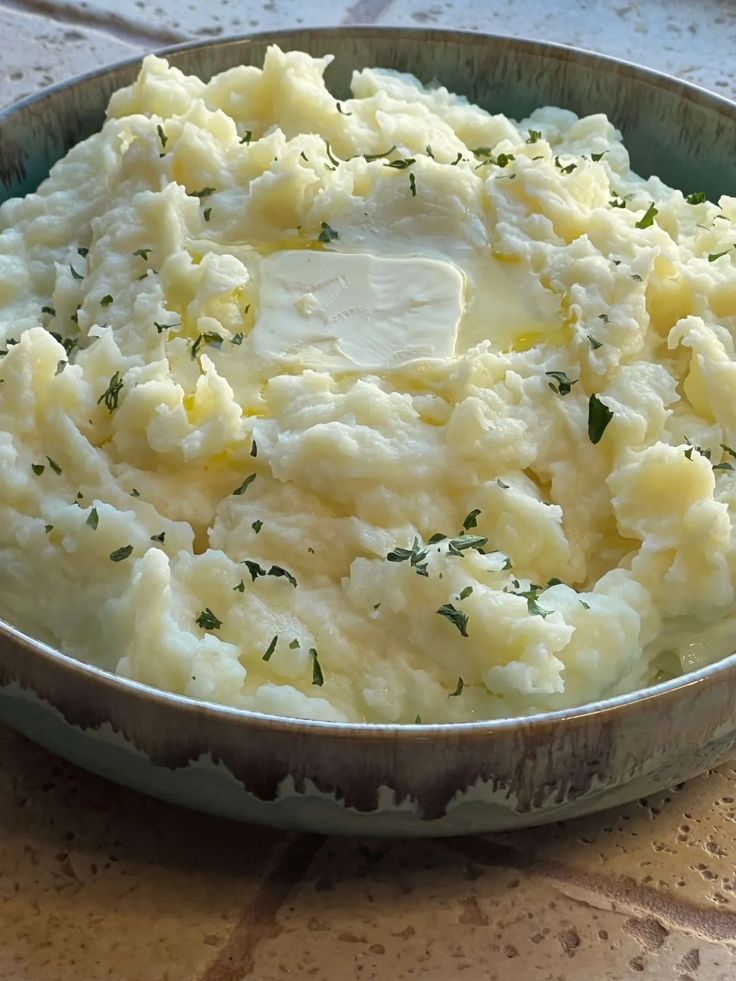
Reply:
x=444, y=779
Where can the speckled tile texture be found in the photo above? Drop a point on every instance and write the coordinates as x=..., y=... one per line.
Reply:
x=97, y=882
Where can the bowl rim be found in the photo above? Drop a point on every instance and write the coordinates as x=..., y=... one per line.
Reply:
x=601, y=709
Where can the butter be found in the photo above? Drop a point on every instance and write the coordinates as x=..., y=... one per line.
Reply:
x=347, y=311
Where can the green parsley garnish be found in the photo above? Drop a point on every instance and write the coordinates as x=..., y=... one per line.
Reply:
x=456, y=617
x=240, y=588
x=49, y=310
x=593, y=342
x=254, y=448
x=74, y=272
x=135, y=493
x=111, y=395
x=254, y=569
x=416, y=556
x=727, y=449
x=256, y=526
x=457, y=159
x=418, y=720
x=245, y=485
x=648, y=218
x=160, y=328
x=121, y=553
x=403, y=164
x=159, y=538
x=616, y=202
x=564, y=384
x=247, y=137
x=412, y=185
x=331, y=157
x=294, y=644
x=48, y=528
x=699, y=449
x=38, y=468
x=501, y=484
x=717, y=255
x=464, y=593
x=530, y=595
x=534, y=136
x=162, y=136
x=83, y=252
x=143, y=253
x=106, y=301
x=595, y=157
x=342, y=111
x=723, y=466
x=208, y=337
x=278, y=572
x=317, y=678
x=237, y=339
x=428, y=151
x=458, y=688
x=370, y=157
x=206, y=214
x=327, y=234
x=204, y=193
x=54, y=466
x=697, y=197
x=207, y=620
x=271, y=648
x=471, y=519
x=456, y=546
x=599, y=415
x=568, y=169
x=93, y=519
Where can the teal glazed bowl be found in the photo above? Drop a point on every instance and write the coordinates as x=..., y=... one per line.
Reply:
x=387, y=779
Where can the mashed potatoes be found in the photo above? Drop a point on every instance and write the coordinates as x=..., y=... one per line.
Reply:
x=239, y=464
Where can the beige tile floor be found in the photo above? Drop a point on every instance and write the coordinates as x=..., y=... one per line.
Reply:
x=97, y=882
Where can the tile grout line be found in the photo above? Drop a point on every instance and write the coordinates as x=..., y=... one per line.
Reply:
x=712, y=925
x=259, y=921
x=115, y=26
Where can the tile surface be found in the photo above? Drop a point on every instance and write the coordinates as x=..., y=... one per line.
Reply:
x=97, y=882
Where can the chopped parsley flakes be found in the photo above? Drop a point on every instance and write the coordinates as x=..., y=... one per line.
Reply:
x=270, y=649
x=327, y=234
x=564, y=384
x=317, y=678
x=471, y=520
x=120, y=554
x=111, y=395
x=599, y=415
x=458, y=689
x=93, y=519
x=245, y=485
x=455, y=616
x=208, y=337
x=278, y=572
x=648, y=218
x=207, y=620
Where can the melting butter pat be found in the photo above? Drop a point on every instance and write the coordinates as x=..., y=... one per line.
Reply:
x=336, y=310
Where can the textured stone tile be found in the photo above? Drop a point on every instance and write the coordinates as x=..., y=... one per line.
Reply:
x=423, y=910
x=682, y=37
x=99, y=882
x=693, y=40
x=42, y=51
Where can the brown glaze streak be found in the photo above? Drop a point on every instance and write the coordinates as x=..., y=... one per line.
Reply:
x=236, y=959
x=618, y=891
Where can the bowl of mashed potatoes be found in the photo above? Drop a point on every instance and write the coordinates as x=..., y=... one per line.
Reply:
x=367, y=443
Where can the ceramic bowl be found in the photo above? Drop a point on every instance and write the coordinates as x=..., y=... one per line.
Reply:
x=383, y=779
